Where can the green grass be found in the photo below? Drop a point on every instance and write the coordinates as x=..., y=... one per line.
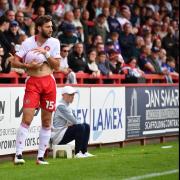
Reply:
x=109, y=164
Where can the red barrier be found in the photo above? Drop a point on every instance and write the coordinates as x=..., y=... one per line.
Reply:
x=14, y=78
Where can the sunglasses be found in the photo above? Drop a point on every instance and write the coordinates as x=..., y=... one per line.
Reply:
x=65, y=50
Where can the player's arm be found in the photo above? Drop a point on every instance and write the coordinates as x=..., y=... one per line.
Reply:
x=16, y=62
x=53, y=62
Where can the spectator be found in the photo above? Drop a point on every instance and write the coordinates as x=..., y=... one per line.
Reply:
x=131, y=68
x=91, y=63
x=4, y=26
x=29, y=25
x=24, y=6
x=40, y=12
x=10, y=14
x=114, y=37
x=127, y=42
x=106, y=13
x=21, y=20
x=92, y=7
x=68, y=36
x=169, y=43
x=104, y=64
x=100, y=47
x=67, y=6
x=87, y=24
x=68, y=19
x=154, y=60
x=4, y=6
x=139, y=42
x=125, y=16
x=143, y=61
x=66, y=127
x=135, y=18
x=171, y=66
x=115, y=62
x=64, y=67
x=97, y=39
x=77, y=17
x=113, y=23
x=157, y=43
x=76, y=59
x=12, y=34
x=99, y=28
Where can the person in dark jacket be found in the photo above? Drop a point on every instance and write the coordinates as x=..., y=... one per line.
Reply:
x=12, y=34
x=76, y=59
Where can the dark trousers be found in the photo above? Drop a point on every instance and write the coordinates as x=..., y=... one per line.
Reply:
x=79, y=133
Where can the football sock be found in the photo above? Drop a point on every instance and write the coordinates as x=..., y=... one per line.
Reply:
x=44, y=137
x=21, y=137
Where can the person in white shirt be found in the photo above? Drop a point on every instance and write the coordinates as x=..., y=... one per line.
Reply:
x=64, y=67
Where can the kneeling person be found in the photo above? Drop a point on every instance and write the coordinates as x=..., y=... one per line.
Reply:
x=66, y=128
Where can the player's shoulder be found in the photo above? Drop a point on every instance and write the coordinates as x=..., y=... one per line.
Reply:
x=53, y=40
x=29, y=40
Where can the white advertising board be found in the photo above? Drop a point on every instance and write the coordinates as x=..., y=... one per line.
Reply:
x=102, y=108
x=11, y=100
x=107, y=115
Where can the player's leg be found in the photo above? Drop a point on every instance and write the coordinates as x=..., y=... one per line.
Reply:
x=28, y=114
x=30, y=103
x=47, y=103
x=44, y=135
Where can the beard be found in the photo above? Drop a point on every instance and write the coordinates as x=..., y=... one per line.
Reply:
x=46, y=35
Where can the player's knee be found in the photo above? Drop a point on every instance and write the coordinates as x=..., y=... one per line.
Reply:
x=46, y=123
x=26, y=123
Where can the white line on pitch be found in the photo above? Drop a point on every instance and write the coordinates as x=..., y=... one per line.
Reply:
x=153, y=175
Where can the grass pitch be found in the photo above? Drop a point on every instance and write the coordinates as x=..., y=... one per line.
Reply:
x=108, y=164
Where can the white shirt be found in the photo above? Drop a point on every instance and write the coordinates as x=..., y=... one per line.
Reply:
x=51, y=44
x=64, y=63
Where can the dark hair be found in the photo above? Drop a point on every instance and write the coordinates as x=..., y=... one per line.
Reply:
x=130, y=59
x=91, y=50
x=41, y=21
x=64, y=46
x=101, y=53
x=3, y=19
x=170, y=59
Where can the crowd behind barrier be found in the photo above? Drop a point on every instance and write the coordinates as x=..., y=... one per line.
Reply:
x=118, y=39
x=84, y=78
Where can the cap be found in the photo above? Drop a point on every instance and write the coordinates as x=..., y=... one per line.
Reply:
x=151, y=7
x=69, y=28
x=155, y=49
x=68, y=90
x=14, y=23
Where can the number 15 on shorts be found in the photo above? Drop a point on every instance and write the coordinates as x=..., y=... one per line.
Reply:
x=50, y=105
